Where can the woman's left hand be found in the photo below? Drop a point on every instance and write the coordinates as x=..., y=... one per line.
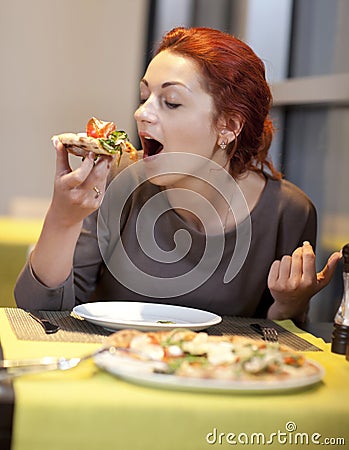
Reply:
x=293, y=281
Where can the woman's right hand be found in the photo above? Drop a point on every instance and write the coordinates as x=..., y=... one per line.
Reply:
x=74, y=198
x=77, y=193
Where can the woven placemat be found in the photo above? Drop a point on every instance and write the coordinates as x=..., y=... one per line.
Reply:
x=76, y=329
x=72, y=328
x=242, y=327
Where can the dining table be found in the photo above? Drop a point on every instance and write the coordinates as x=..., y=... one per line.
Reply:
x=90, y=408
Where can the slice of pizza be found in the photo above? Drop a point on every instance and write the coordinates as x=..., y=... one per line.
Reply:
x=101, y=138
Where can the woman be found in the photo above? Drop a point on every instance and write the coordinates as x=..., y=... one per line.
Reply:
x=225, y=234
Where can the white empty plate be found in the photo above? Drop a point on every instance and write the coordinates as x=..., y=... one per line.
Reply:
x=145, y=316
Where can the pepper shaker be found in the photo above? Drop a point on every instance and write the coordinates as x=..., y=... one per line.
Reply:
x=340, y=335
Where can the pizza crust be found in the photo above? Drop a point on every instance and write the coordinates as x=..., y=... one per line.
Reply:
x=80, y=144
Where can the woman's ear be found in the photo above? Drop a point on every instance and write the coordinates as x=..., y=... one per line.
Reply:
x=229, y=130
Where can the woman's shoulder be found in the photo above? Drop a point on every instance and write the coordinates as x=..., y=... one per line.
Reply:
x=288, y=195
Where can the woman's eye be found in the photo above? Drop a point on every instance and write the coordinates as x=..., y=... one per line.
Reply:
x=172, y=105
x=142, y=101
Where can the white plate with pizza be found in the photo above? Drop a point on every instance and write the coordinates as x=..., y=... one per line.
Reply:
x=117, y=315
x=188, y=360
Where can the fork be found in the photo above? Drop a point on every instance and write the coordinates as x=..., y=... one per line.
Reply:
x=269, y=333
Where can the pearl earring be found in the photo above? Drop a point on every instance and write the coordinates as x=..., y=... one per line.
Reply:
x=224, y=143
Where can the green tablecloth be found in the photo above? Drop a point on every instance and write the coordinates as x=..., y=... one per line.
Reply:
x=90, y=409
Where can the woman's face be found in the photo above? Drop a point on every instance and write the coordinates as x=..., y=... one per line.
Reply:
x=175, y=112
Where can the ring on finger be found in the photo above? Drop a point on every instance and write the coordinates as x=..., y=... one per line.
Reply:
x=97, y=191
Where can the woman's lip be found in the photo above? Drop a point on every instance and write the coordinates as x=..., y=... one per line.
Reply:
x=144, y=137
x=149, y=158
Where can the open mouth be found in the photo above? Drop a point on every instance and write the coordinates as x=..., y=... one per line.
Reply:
x=151, y=147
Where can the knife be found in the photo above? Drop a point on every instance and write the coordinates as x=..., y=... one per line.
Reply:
x=49, y=327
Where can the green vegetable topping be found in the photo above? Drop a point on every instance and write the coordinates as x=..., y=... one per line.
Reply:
x=113, y=143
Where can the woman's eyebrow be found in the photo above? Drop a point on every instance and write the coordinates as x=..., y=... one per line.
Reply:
x=175, y=83
x=167, y=84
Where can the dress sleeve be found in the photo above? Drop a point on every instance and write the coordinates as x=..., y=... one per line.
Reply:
x=30, y=293
x=292, y=220
x=87, y=260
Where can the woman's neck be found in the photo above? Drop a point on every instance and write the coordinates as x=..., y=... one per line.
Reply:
x=216, y=205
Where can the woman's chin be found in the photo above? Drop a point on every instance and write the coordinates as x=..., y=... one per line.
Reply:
x=158, y=169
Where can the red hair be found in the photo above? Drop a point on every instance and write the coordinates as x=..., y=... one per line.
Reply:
x=235, y=77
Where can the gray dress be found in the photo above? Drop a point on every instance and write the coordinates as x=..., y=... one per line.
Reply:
x=283, y=218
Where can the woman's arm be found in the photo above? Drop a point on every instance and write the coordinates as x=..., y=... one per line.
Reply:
x=47, y=280
x=30, y=293
x=74, y=198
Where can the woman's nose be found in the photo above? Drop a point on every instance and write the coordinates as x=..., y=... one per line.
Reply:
x=145, y=113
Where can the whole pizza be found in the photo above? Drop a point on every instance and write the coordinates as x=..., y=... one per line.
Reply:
x=190, y=354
